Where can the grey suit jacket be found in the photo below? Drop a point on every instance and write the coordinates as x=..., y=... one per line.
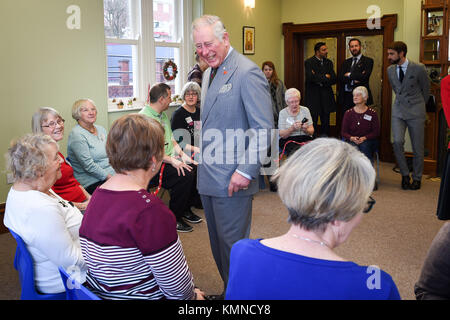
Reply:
x=412, y=94
x=238, y=98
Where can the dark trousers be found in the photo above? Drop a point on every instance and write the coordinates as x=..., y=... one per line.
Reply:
x=90, y=189
x=180, y=188
x=368, y=147
x=291, y=147
x=324, y=121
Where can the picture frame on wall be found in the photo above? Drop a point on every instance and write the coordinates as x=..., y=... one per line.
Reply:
x=248, y=36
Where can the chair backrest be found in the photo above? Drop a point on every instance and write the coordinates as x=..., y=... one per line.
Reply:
x=23, y=263
x=74, y=289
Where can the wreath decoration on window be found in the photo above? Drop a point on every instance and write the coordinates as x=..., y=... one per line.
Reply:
x=170, y=70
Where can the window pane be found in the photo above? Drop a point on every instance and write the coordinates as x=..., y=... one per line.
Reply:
x=118, y=18
x=121, y=75
x=164, y=22
x=163, y=54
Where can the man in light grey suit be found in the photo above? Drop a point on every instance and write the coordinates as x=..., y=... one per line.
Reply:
x=235, y=105
x=411, y=85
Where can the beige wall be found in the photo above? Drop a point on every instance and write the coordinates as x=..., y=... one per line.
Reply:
x=265, y=17
x=46, y=64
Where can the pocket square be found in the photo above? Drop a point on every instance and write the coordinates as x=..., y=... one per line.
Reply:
x=226, y=88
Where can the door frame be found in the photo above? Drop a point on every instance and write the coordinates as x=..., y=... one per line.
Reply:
x=294, y=34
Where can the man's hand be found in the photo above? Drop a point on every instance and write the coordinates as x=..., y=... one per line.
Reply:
x=237, y=182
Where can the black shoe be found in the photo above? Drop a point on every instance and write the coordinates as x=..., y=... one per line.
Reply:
x=273, y=187
x=415, y=185
x=406, y=184
x=375, y=188
x=198, y=206
x=215, y=297
x=183, y=226
x=191, y=217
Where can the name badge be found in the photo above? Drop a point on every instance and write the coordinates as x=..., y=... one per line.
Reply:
x=367, y=117
x=188, y=119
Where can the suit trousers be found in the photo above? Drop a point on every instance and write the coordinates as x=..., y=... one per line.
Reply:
x=324, y=121
x=229, y=221
x=180, y=188
x=416, y=129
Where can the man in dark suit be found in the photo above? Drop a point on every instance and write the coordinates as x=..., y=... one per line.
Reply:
x=319, y=96
x=355, y=72
x=411, y=85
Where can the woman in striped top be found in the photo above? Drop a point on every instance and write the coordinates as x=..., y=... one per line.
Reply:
x=128, y=236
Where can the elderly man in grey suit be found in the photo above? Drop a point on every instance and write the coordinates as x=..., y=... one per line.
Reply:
x=411, y=85
x=235, y=105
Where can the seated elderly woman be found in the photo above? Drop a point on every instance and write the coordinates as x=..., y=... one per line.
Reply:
x=326, y=188
x=295, y=123
x=186, y=126
x=47, y=224
x=128, y=236
x=50, y=122
x=360, y=126
x=86, y=147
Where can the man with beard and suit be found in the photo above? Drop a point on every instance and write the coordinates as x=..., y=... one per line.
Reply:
x=235, y=99
x=355, y=72
x=411, y=85
x=319, y=96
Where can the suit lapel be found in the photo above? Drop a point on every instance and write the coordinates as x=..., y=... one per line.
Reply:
x=224, y=73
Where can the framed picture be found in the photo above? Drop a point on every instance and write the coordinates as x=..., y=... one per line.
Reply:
x=248, y=35
x=435, y=23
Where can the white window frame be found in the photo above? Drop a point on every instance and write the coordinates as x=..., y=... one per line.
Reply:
x=144, y=71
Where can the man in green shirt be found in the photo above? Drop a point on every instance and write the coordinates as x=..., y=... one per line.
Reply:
x=178, y=175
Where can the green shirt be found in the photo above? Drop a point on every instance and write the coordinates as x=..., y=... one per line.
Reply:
x=163, y=119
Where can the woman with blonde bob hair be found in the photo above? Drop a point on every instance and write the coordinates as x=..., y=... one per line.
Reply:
x=326, y=188
x=128, y=236
x=86, y=147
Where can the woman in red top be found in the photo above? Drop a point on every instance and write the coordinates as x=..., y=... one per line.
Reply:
x=50, y=122
x=443, y=209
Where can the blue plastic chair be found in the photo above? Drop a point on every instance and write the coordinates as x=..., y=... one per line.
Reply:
x=74, y=289
x=23, y=263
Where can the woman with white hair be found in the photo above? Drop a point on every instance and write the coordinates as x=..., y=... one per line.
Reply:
x=295, y=123
x=48, y=121
x=186, y=128
x=86, y=147
x=360, y=126
x=47, y=224
x=326, y=188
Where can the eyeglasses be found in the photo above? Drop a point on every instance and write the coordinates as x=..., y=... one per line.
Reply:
x=370, y=203
x=53, y=124
x=191, y=94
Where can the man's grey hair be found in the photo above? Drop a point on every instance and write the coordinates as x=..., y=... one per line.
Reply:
x=191, y=86
x=210, y=20
x=292, y=92
x=363, y=91
x=325, y=180
x=26, y=158
x=40, y=116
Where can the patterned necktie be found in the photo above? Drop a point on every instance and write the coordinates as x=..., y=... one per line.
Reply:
x=212, y=75
x=401, y=74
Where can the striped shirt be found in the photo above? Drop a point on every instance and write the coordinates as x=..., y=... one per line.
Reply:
x=131, y=247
